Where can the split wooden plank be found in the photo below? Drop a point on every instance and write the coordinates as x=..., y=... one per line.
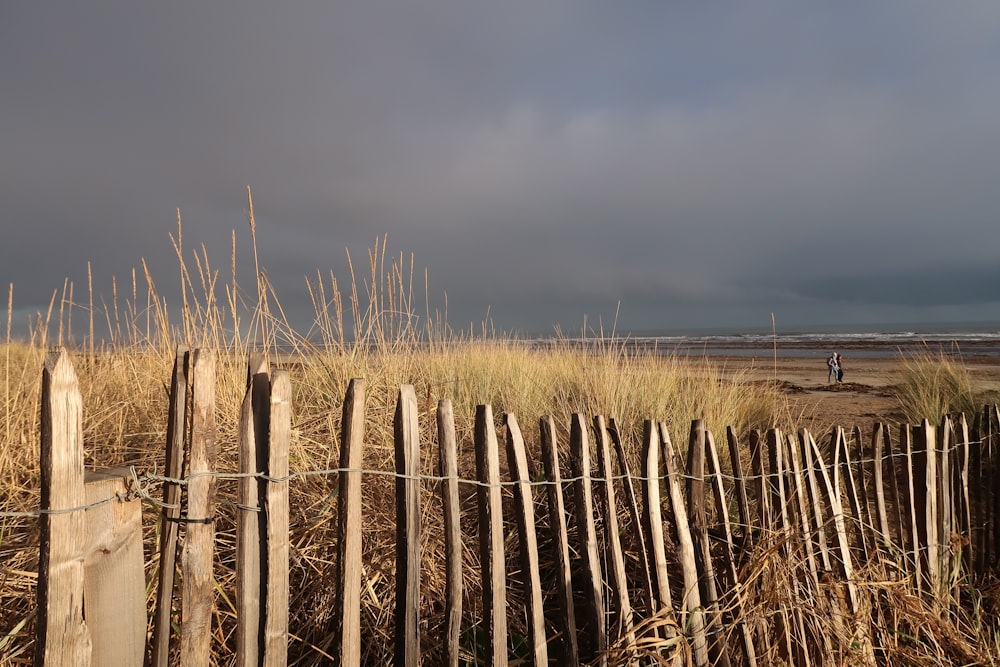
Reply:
x=114, y=591
x=276, y=514
x=407, y=446
x=691, y=602
x=702, y=548
x=734, y=596
x=557, y=524
x=171, y=512
x=593, y=592
x=349, y=542
x=491, y=538
x=913, y=526
x=524, y=507
x=652, y=517
x=793, y=636
x=926, y=504
x=448, y=471
x=879, y=434
x=198, y=594
x=61, y=634
x=613, y=553
x=963, y=515
x=831, y=493
x=633, y=509
x=739, y=485
x=250, y=531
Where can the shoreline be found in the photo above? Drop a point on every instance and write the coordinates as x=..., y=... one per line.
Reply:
x=866, y=396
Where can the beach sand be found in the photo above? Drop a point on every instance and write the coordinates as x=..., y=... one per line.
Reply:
x=865, y=397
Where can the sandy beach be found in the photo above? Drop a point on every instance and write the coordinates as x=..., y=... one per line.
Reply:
x=866, y=395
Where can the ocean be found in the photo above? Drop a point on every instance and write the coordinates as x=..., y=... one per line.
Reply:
x=963, y=339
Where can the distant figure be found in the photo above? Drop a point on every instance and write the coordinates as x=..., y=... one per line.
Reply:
x=840, y=368
x=833, y=370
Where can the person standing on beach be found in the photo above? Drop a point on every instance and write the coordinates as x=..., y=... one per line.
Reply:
x=840, y=368
x=833, y=370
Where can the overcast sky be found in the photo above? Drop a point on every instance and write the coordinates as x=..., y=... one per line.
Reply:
x=701, y=164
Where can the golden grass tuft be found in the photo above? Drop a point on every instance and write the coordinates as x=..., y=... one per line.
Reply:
x=934, y=385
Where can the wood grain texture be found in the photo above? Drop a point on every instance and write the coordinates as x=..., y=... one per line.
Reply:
x=276, y=516
x=691, y=601
x=448, y=471
x=114, y=578
x=171, y=512
x=250, y=534
x=524, y=509
x=198, y=593
x=407, y=446
x=491, y=538
x=613, y=554
x=61, y=635
x=349, y=517
x=587, y=545
x=560, y=539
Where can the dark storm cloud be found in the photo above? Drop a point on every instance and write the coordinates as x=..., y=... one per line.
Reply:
x=545, y=161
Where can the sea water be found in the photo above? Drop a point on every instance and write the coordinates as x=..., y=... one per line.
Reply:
x=964, y=339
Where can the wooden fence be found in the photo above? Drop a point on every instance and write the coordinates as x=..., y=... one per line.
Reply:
x=725, y=563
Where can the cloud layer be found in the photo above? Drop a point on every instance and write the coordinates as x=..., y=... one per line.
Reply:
x=701, y=166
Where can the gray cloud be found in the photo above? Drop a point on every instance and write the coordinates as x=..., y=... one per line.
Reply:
x=696, y=164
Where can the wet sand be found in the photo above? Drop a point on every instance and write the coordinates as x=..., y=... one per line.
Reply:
x=866, y=396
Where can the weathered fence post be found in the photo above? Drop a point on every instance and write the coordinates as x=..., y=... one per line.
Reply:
x=276, y=514
x=633, y=509
x=171, y=513
x=198, y=595
x=925, y=504
x=702, y=549
x=250, y=533
x=114, y=580
x=348, y=567
x=517, y=463
x=448, y=472
x=691, y=601
x=579, y=448
x=407, y=440
x=491, y=538
x=614, y=556
x=557, y=524
x=735, y=595
x=739, y=485
x=61, y=635
x=831, y=492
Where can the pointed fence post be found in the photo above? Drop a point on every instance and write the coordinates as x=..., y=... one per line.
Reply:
x=276, y=514
x=702, y=549
x=633, y=508
x=593, y=593
x=491, y=538
x=613, y=554
x=448, y=472
x=349, y=544
x=250, y=530
x=61, y=635
x=171, y=513
x=407, y=437
x=198, y=595
x=517, y=463
x=691, y=601
x=557, y=525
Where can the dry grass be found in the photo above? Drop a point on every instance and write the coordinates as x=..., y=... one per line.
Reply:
x=935, y=385
x=373, y=330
